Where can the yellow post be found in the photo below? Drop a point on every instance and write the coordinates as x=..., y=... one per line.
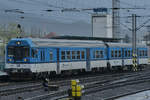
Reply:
x=76, y=89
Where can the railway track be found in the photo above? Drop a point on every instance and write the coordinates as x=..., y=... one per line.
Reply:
x=126, y=94
x=95, y=87
x=7, y=84
x=33, y=86
x=98, y=86
x=89, y=82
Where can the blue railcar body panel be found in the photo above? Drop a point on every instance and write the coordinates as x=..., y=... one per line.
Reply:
x=53, y=54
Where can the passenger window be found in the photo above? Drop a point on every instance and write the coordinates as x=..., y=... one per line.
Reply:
x=26, y=52
x=129, y=54
x=34, y=53
x=126, y=53
x=51, y=55
x=112, y=53
x=68, y=55
x=101, y=54
x=43, y=55
x=82, y=55
x=97, y=54
x=94, y=54
x=116, y=53
x=146, y=53
x=143, y=53
x=73, y=55
x=63, y=55
x=119, y=53
x=78, y=54
x=140, y=53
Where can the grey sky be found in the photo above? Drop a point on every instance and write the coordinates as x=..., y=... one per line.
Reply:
x=66, y=22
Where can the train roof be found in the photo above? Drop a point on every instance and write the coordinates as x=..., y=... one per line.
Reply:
x=37, y=42
x=124, y=45
x=66, y=43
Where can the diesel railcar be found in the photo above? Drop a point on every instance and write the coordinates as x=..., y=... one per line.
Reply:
x=45, y=57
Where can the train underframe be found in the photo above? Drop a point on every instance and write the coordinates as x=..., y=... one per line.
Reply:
x=26, y=74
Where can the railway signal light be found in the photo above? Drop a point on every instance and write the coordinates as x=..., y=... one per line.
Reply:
x=19, y=26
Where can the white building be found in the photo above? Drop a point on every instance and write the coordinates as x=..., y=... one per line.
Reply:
x=102, y=26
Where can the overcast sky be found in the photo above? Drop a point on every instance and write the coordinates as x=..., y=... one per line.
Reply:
x=32, y=14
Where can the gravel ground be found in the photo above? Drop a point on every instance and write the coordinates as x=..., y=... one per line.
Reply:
x=116, y=91
x=29, y=94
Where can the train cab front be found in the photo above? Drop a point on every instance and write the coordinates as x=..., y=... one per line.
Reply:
x=18, y=56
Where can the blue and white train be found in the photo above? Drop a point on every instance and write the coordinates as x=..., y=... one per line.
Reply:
x=49, y=56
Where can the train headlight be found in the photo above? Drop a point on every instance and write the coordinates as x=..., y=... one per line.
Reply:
x=9, y=59
x=18, y=42
x=25, y=60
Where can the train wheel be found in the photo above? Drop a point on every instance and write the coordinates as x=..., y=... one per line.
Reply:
x=120, y=69
x=140, y=67
x=109, y=69
x=130, y=68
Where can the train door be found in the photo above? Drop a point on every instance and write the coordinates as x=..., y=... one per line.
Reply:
x=88, y=59
x=58, y=61
x=122, y=57
x=42, y=55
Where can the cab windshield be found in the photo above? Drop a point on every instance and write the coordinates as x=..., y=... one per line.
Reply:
x=18, y=53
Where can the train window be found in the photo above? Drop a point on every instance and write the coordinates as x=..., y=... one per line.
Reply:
x=140, y=53
x=10, y=51
x=146, y=53
x=34, y=53
x=26, y=52
x=82, y=55
x=78, y=54
x=68, y=55
x=126, y=53
x=101, y=54
x=129, y=53
x=112, y=53
x=143, y=53
x=119, y=53
x=116, y=53
x=62, y=55
x=73, y=55
x=97, y=54
x=43, y=55
x=51, y=55
x=94, y=54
